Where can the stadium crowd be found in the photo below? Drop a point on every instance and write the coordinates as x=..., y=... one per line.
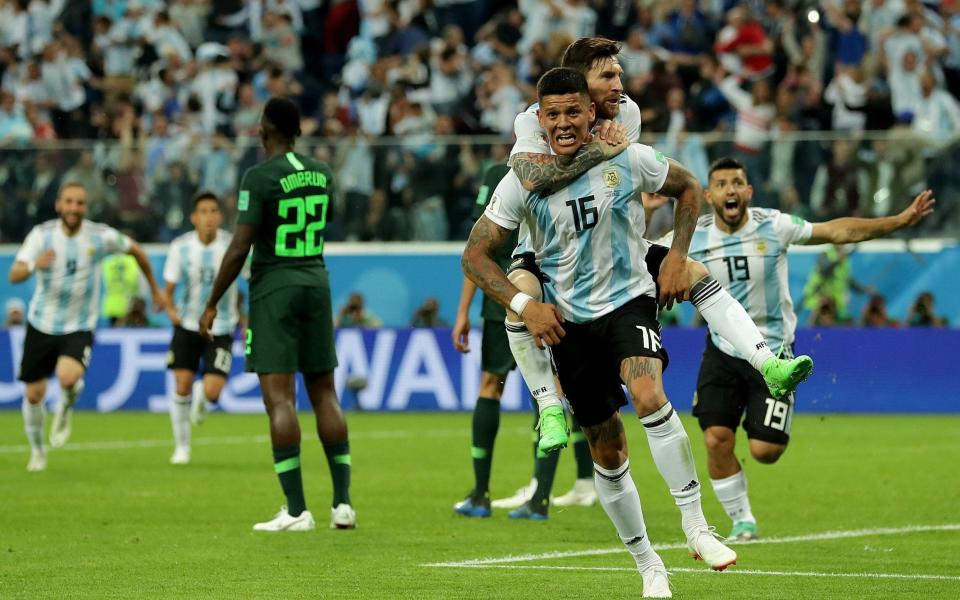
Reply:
x=147, y=101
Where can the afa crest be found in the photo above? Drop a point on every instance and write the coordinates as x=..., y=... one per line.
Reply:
x=611, y=178
x=761, y=246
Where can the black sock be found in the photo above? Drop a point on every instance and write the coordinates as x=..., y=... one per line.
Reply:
x=486, y=423
x=286, y=462
x=338, y=459
x=581, y=450
x=544, y=470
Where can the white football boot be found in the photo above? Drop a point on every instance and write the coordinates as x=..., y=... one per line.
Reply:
x=284, y=522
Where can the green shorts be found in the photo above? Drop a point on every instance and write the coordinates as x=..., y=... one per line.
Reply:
x=291, y=329
x=495, y=355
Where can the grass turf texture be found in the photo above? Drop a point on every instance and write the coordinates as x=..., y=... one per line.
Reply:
x=120, y=522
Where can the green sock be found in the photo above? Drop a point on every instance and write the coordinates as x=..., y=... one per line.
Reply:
x=338, y=459
x=581, y=450
x=544, y=470
x=286, y=462
x=486, y=423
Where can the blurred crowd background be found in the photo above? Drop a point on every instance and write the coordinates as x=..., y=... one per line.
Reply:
x=838, y=107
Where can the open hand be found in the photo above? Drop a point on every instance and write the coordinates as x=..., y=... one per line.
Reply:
x=543, y=322
x=921, y=206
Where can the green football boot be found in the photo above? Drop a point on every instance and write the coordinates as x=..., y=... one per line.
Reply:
x=784, y=375
x=553, y=429
x=743, y=531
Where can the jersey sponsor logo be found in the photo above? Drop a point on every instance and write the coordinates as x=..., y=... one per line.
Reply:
x=611, y=177
x=243, y=200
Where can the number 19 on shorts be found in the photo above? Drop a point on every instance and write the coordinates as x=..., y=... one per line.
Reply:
x=310, y=244
x=778, y=415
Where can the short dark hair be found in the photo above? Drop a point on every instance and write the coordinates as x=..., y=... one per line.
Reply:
x=726, y=162
x=203, y=196
x=284, y=115
x=585, y=53
x=561, y=80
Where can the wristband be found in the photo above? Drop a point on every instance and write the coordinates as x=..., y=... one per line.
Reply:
x=519, y=302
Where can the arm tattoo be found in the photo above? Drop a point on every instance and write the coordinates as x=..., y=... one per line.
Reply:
x=542, y=172
x=606, y=432
x=682, y=185
x=638, y=367
x=478, y=265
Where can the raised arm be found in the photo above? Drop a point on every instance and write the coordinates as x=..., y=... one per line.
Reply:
x=848, y=230
x=542, y=172
x=233, y=260
x=680, y=184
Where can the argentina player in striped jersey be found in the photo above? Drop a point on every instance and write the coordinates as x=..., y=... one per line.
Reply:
x=588, y=240
x=65, y=254
x=745, y=249
x=193, y=260
x=540, y=169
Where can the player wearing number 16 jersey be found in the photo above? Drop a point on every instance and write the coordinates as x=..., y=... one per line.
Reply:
x=745, y=249
x=284, y=205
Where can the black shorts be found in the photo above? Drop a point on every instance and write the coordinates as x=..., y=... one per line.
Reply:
x=730, y=390
x=188, y=347
x=588, y=357
x=655, y=255
x=41, y=351
x=495, y=354
x=527, y=262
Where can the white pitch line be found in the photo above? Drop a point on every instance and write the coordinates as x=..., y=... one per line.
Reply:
x=725, y=573
x=237, y=440
x=827, y=535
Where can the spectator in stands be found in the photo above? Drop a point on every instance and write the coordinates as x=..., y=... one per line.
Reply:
x=825, y=313
x=14, y=312
x=687, y=36
x=847, y=92
x=744, y=42
x=353, y=314
x=922, y=314
x=936, y=114
x=755, y=114
x=875, y=313
x=836, y=190
x=428, y=315
x=849, y=42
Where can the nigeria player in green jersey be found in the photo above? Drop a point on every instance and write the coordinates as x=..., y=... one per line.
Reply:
x=495, y=363
x=283, y=204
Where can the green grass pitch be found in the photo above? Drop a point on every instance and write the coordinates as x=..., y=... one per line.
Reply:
x=110, y=518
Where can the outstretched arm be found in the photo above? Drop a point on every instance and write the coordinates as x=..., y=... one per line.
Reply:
x=674, y=280
x=847, y=230
x=231, y=266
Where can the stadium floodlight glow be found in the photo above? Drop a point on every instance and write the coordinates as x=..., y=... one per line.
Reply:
x=813, y=16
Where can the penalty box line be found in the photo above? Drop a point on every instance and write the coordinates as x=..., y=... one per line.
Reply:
x=507, y=561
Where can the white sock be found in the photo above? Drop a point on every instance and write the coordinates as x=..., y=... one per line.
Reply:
x=33, y=415
x=70, y=395
x=621, y=501
x=534, y=364
x=180, y=420
x=727, y=317
x=732, y=494
x=671, y=452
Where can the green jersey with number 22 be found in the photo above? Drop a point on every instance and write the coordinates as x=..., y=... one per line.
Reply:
x=287, y=197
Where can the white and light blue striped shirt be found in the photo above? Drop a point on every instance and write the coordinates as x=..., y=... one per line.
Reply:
x=588, y=237
x=195, y=265
x=752, y=265
x=67, y=295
